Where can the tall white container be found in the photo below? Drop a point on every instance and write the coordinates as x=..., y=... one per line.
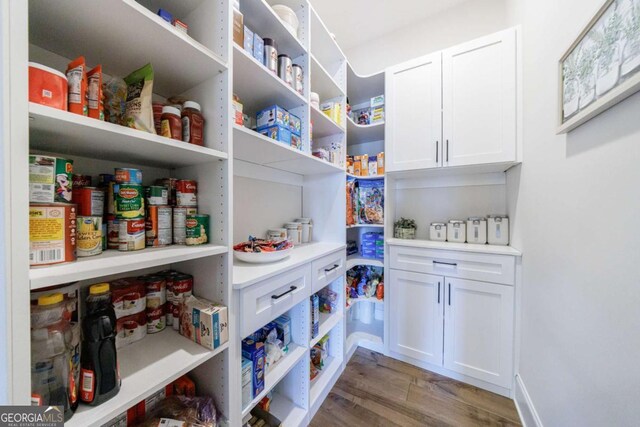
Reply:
x=477, y=230
x=438, y=231
x=456, y=231
x=498, y=230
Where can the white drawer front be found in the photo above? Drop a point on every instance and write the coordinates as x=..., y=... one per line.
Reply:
x=327, y=269
x=264, y=301
x=484, y=267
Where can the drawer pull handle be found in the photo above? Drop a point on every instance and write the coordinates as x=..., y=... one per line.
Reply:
x=452, y=264
x=291, y=289
x=438, y=292
x=326, y=270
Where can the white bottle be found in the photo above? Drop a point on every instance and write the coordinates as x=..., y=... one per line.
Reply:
x=456, y=231
x=498, y=230
x=477, y=230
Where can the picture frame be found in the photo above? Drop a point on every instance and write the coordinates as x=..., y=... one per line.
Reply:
x=602, y=66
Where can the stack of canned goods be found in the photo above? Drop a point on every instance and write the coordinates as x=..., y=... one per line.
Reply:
x=129, y=209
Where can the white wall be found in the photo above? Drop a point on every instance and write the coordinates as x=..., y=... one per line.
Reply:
x=456, y=25
x=578, y=208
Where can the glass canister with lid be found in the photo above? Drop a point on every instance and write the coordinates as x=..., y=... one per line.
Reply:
x=498, y=230
x=456, y=231
x=438, y=232
x=477, y=230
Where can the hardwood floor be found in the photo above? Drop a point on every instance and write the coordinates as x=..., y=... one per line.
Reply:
x=375, y=390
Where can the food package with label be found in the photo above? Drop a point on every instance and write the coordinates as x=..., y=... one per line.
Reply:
x=204, y=322
x=271, y=116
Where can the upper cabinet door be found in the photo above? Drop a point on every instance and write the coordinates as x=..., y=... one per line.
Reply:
x=413, y=135
x=478, y=335
x=480, y=100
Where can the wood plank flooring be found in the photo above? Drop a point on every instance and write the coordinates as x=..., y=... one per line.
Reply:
x=375, y=390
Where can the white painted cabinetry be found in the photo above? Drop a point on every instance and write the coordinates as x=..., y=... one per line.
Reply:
x=414, y=107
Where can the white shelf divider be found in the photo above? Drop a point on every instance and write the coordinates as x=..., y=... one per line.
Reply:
x=355, y=260
x=365, y=178
x=327, y=322
x=319, y=383
x=461, y=247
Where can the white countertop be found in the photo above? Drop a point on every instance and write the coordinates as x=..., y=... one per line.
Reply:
x=245, y=274
x=460, y=247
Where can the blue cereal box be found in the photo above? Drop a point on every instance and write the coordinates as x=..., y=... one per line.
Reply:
x=283, y=325
x=274, y=115
x=258, y=48
x=248, y=40
x=278, y=133
x=254, y=351
x=295, y=125
x=296, y=142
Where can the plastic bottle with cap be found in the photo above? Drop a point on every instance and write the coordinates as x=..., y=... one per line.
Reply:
x=192, y=123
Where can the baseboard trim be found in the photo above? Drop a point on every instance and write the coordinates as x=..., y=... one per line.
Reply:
x=528, y=414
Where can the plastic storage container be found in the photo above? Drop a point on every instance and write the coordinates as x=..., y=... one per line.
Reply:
x=498, y=230
x=306, y=228
x=47, y=86
x=438, y=232
x=456, y=231
x=289, y=18
x=294, y=232
x=477, y=230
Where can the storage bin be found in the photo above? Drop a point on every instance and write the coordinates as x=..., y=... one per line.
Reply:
x=47, y=86
x=498, y=230
x=477, y=230
x=288, y=17
x=456, y=231
x=438, y=231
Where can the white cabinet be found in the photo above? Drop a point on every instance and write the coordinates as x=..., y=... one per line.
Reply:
x=416, y=316
x=479, y=100
x=454, y=108
x=478, y=336
x=414, y=107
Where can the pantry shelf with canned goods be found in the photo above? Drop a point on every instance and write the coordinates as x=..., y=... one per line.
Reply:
x=145, y=367
x=135, y=37
x=55, y=130
x=360, y=134
x=114, y=262
x=323, y=125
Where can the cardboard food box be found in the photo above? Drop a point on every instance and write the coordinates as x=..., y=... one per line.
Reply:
x=247, y=381
x=255, y=352
x=204, y=322
x=271, y=116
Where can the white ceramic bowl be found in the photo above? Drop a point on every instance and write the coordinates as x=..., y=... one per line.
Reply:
x=262, y=257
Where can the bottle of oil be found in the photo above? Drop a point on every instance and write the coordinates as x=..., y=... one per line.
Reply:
x=100, y=380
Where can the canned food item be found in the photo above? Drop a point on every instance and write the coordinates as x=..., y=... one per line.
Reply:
x=52, y=233
x=170, y=185
x=158, y=226
x=128, y=176
x=186, y=190
x=157, y=195
x=131, y=234
x=155, y=320
x=80, y=181
x=105, y=178
x=89, y=235
x=130, y=329
x=111, y=197
x=90, y=201
x=180, y=223
x=175, y=315
x=181, y=287
x=129, y=201
x=197, y=229
x=104, y=236
x=129, y=296
x=113, y=231
x=156, y=299
x=50, y=179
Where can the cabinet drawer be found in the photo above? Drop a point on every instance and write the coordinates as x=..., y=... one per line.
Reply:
x=327, y=269
x=483, y=267
x=264, y=301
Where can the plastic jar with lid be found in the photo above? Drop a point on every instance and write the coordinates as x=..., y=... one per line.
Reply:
x=171, y=123
x=314, y=99
x=285, y=69
x=192, y=123
x=298, y=75
x=456, y=231
x=51, y=349
x=271, y=55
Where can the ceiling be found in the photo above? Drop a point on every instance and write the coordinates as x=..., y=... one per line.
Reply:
x=355, y=22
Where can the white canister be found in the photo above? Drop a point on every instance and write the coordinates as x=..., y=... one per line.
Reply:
x=294, y=232
x=438, y=232
x=498, y=230
x=307, y=228
x=314, y=100
x=477, y=230
x=277, y=234
x=456, y=231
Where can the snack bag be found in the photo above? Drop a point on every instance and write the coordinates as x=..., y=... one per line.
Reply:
x=139, y=111
x=114, y=90
x=77, y=81
x=371, y=202
x=94, y=93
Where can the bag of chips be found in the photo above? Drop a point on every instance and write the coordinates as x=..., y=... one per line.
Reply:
x=139, y=111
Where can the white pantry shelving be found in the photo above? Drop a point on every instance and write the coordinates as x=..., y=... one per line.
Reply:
x=327, y=322
x=458, y=247
x=323, y=83
x=360, y=134
x=354, y=260
x=364, y=178
x=323, y=125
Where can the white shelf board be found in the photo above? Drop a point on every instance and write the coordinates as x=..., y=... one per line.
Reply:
x=323, y=379
x=323, y=125
x=460, y=247
x=145, y=367
x=366, y=226
x=59, y=131
x=361, y=88
x=453, y=171
x=322, y=83
x=132, y=37
x=113, y=262
x=373, y=300
x=354, y=260
x=327, y=322
x=245, y=274
x=365, y=178
x=323, y=46
x=253, y=147
x=360, y=134
x=277, y=373
x=259, y=88
x=290, y=414
x=261, y=19
x=358, y=332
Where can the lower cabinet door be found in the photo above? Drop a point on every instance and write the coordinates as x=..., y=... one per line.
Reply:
x=416, y=318
x=478, y=336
